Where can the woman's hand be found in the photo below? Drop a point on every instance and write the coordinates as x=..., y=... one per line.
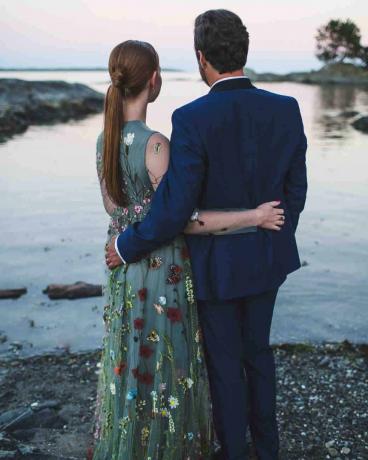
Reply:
x=269, y=216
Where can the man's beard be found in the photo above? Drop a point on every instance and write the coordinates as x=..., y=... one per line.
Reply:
x=203, y=74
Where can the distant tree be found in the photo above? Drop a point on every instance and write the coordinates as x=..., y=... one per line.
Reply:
x=338, y=40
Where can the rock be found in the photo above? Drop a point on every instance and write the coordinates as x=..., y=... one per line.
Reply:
x=334, y=73
x=361, y=124
x=24, y=103
x=3, y=337
x=11, y=293
x=345, y=450
x=77, y=290
x=349, y=113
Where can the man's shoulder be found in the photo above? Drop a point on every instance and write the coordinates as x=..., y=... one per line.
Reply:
x=272, y=97
x=191, y=107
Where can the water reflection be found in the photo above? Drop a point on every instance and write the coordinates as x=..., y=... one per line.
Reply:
x=337, y=106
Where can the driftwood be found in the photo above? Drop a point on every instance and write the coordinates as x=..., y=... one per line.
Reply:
x=12, y=293
x=77, y=290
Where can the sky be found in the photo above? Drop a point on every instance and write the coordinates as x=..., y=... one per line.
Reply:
x=81, y=33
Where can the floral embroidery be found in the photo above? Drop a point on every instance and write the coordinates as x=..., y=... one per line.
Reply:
x=185, y=253
x=158, y=308
x=162, y=300
x=174, y=274
x=118, y=370
x=138, y=323
x=112, y=388
x=174, y=314
x=153, y=336
x=173, y=402
x=132, y=394
x=142, y=294
x=145, y=351
x=129, y=139
x=155, y=262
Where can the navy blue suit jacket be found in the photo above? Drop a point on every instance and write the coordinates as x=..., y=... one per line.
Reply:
x=236, y=147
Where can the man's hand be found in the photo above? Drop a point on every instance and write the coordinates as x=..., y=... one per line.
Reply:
x=111, y=256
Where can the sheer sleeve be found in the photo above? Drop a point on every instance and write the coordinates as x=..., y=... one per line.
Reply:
x=157, y=158
x=111, y=208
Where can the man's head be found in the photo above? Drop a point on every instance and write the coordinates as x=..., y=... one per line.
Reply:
x=221, y=44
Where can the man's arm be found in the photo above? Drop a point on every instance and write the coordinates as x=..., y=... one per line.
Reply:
x=174, y=199
x=296, y=185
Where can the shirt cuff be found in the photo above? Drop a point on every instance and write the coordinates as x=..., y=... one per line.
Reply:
x=117, y=250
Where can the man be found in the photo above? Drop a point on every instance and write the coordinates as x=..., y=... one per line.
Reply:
x=236, y=147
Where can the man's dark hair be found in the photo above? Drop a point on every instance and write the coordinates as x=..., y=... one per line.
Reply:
x=222, y=38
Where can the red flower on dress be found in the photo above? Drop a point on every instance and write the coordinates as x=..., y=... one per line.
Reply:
x=142, y=294
x=145, y=378
x=138, y=323
x=118, y=370
x=174, y=274
x=184, y=253
x=135, y=372
x=174, y=314
x=145, y=351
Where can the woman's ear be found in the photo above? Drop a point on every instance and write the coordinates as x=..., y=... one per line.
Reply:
x=153, y=80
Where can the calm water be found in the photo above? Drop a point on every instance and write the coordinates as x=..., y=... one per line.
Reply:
x=53, y=224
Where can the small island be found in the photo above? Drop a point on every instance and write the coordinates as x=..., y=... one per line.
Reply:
x=24, y=103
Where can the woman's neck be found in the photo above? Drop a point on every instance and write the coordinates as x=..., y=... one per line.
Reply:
x=135, y=109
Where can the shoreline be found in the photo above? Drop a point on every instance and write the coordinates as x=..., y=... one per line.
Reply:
x=318, y=415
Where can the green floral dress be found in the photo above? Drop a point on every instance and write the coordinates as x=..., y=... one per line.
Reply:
x=152, y=396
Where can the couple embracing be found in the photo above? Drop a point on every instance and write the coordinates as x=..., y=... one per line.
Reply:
x=201, y=236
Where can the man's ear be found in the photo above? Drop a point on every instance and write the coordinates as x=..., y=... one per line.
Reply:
x=201, y=59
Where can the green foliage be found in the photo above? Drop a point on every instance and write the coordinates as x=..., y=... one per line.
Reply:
x=340, y=40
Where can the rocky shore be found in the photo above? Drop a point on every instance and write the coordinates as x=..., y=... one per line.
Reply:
x=24, y=103
x=322, y=403
x=337, y=73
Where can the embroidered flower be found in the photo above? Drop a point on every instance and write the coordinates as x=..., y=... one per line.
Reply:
x=158, y=308
x=174, y=314
x=138, y=323
x=190, y=436
x=162, y=300
x=112, y=388
x=164, y=412
x=173, y=402
x=138, y=209
x=142, y=294
x=118, y=370
x=153, y=336
x=145, y=351
x=125, y=211
x=135, y=372
x=174, y=274
x=155, y=262
x=129, y=138
x=144, y=435
x=132, y=394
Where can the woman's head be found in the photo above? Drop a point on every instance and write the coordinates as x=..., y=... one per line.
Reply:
x=133, y=68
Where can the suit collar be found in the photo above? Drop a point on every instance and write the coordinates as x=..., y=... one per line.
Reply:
x=232, y=83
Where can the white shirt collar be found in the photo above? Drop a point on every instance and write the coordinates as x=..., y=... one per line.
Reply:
x=227, y=78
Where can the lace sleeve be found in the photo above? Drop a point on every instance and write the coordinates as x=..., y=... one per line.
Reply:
x=111, y=208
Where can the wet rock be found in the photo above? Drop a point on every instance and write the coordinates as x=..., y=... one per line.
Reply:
x=24, y=103
x=349, y=113
x=3, y=337
x=12, y=293
x=77, y=290
x=361, y=124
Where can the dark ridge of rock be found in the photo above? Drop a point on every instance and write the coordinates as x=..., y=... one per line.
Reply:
x=361, y=124
x=12, y=293
x=24, y=103
x=77, y=290
x=335, y=73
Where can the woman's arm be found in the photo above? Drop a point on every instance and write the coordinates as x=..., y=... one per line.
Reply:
x=219, y=222
x=266, y=215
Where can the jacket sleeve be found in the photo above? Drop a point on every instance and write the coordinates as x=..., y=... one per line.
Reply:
x=174, y=199
x=295, y=187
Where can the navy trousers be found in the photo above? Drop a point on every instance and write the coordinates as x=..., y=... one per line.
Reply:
x=241, y=372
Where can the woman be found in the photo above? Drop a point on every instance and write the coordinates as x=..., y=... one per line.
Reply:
x=153, y=398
